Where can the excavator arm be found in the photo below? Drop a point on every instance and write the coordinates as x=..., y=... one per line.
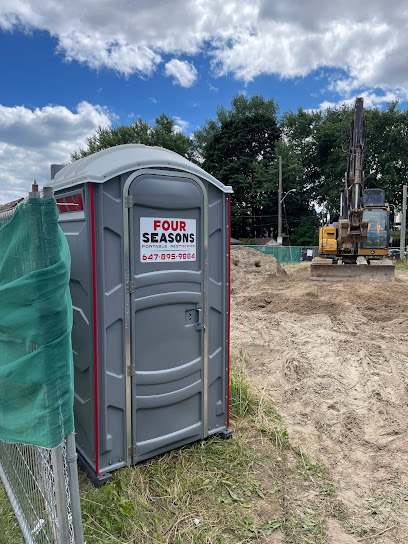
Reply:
x=352, y=226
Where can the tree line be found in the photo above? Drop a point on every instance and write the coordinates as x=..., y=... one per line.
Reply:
x=241, y=145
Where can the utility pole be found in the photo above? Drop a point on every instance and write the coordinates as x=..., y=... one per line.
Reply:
x=403, y=222
x=280, y=200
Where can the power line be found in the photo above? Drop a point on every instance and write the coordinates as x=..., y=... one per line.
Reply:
x=292, y=219
x=255, y=216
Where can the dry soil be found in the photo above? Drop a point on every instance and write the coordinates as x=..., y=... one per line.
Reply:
x=333, y=357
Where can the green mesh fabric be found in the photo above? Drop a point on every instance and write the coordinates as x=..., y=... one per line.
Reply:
x=36, y=369
x=284, y=254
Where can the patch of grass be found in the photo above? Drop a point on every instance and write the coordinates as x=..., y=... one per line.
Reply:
x=242, y=399
x=401, y=265
x=9, y=529
x=199, y=494
x=246, y=403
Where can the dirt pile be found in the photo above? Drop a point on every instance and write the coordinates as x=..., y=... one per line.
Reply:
x=249, y=266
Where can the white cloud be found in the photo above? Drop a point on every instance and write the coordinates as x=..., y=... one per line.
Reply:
x=371, y=99
x=367, y=41
x=183, y=73
x=343, y=86
x=30, y=140
x=180, y=124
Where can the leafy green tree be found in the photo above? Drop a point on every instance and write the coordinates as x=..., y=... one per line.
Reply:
x=162, y=134
x=307, y=232
x=238, y=148
x=320, y=139
x=386, y=156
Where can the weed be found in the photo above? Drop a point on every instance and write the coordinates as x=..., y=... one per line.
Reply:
x=271, y=526
x=247, y=528
x=242, y=399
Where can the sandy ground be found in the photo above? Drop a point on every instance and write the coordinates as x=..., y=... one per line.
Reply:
x=334, y=359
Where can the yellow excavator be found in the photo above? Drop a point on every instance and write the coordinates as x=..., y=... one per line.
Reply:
x=356, y=248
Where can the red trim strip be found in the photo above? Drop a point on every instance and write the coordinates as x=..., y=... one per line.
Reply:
x=95, y=328
x=229, y=303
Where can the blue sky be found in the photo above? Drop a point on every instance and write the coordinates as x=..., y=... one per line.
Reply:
x=66, y=69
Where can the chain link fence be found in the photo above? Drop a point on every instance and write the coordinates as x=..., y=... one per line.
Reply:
x=42, y=483
x=37, y=482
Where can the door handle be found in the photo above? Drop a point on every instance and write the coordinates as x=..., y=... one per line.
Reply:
x=199, y=325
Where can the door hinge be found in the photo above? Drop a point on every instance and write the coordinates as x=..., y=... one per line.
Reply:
x=131, y=451
x=128, y=201
x=131, y=371
x=130, y=287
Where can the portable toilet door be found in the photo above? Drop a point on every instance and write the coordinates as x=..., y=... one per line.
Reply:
x=166, y=229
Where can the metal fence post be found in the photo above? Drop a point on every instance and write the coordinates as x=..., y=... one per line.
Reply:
x=74, y=489
x=60, y=494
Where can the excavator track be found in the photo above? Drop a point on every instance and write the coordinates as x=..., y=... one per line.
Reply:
x=322, y=269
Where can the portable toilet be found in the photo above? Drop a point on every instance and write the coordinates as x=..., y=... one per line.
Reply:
x=149, y=235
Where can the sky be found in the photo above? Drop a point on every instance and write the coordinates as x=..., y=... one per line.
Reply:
x=67, y=68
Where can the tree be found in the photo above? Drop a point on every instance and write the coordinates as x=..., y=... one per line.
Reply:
x=162, y=134
x=387, y=151
x=320, y=141
x=238, y=148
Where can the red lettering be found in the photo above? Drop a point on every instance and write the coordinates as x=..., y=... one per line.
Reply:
x=169, y=225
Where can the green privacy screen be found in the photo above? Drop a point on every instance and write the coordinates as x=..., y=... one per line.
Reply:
x=36, y=371
x=284, y=254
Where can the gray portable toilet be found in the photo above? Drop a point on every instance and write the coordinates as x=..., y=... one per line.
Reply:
x=148, y=232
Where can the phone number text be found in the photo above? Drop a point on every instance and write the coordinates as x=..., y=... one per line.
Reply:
x=168, y=257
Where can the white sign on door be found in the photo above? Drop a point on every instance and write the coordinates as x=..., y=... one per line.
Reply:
x=166, y=239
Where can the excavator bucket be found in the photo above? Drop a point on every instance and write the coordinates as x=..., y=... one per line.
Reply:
x=377, y=271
